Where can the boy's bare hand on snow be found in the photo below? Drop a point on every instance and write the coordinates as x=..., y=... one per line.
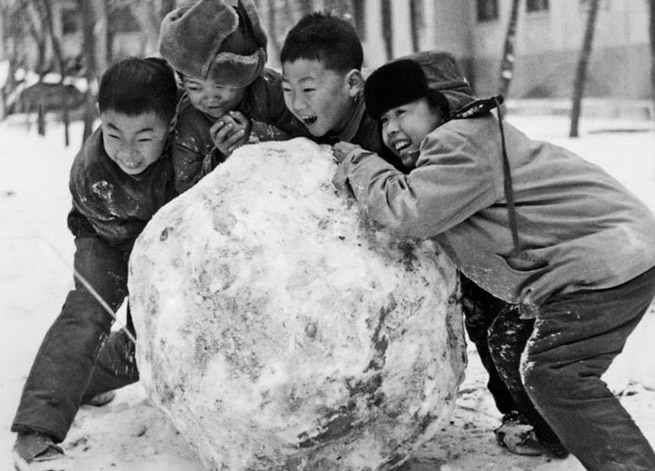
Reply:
x=230, y=131
x=340, y=150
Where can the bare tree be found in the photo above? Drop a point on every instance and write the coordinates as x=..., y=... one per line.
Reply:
x=651, y=28
x=149, y=14
x=14, y=38
x=94, y=30
x=509, y=56
x=46, y=6
x=269, y=18
x=34, y=14
x=583, y=63
x=417, y=16
x=34, y=18
x=387, y=28
x=101, y=32
x=305, y=7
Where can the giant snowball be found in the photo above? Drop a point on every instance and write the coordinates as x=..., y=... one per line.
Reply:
x=279, y=331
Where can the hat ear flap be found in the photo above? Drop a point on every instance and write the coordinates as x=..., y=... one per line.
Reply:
x=237, y=71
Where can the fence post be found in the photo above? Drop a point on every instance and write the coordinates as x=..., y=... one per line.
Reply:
x=41, y=120
x=66, y=122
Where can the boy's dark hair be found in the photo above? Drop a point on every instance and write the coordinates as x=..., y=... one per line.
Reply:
x=325, y=38
x=137, y=86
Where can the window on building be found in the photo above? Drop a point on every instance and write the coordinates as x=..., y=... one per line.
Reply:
x=359, y=12
x=487, y=10
x=537, y=5
x=70, y=21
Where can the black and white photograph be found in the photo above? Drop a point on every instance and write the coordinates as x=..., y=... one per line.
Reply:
x=327, y=235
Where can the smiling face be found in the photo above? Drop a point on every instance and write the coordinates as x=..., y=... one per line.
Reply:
x=133, y=142
x=210, y=97
x=405, y=126
x=321, y=98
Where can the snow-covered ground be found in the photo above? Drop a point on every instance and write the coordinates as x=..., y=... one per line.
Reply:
x=35, y=275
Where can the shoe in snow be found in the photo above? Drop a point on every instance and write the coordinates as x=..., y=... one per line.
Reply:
x=99, y=400
x=34, y=451
x=518, y=436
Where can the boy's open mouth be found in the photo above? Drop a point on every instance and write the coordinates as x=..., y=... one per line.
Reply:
x=131, y=164
x=402, y=146
x=309, y=120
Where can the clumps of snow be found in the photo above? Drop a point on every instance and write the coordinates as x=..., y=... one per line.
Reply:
x=279, y=331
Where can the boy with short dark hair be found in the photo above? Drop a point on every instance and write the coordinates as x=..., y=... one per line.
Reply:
x=565, y=247
x=118, y=180
x=218, y=49
x=323, y=84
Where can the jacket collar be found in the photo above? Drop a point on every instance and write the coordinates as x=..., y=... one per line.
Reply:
x=354, y=120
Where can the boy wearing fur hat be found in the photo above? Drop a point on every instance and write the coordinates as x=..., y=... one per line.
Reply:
x=218, y=49
x=478, y=306
x=120, y=178
x=536, y=226
x=323, y=84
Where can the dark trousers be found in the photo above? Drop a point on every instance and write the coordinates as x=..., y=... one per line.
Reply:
x=552, y=367
x=480, y=310
x=65, y=370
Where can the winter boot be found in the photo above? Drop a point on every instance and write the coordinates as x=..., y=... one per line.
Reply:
x=35, y=451
x=552, y=445
x=518, y=436
x=99, y=400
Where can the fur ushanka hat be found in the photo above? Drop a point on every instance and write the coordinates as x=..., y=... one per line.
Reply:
x=444, y=75
x=213, y=40
x=394, y=84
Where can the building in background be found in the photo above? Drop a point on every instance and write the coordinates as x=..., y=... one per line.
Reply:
x=548, y=42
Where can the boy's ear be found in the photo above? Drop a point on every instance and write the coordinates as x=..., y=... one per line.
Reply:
x=355, y=81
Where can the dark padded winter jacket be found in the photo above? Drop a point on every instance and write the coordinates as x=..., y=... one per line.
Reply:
x=193, y=151
x=110, y=204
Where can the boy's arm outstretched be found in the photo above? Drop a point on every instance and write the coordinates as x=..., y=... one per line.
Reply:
x=431, y=199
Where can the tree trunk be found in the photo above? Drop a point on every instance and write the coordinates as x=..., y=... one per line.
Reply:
x=54, y=39
x=305, y=7
x=583, y=63
x=387, y=28
x=5, y=54
x=34, y=20
x=15, y=48
x=417, y=16
x=271, y=22
x=509, y=57
x=101, y=31
x=88, y=26
x=651, y=28
x=150, y=14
